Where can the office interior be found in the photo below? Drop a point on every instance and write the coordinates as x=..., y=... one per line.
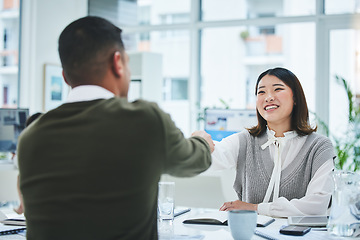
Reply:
x=188, y=56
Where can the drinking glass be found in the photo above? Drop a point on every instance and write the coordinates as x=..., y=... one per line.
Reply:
x=166, y=201
x=344, y=220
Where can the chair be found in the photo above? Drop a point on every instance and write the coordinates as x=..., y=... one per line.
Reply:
x=207, y=190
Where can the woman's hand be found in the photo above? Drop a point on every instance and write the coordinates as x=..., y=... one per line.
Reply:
x=19, y=209
x=238, y=205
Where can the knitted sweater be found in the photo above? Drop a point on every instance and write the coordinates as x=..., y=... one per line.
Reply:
x=90, y=170
x=254, y=167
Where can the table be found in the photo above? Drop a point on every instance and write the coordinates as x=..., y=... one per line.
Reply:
x=176, y=230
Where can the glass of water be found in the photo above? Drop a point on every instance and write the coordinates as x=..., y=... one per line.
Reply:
x=166, y=201
x=344, y=218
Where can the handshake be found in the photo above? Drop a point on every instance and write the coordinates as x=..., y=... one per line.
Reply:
x=206, y=136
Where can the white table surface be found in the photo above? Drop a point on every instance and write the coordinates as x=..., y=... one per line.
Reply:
x=176, y=230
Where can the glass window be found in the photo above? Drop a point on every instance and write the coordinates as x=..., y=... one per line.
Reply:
x=344, y=63
x=340, y=6
x=179, y=89
x=244, y=9
x=9, y=53
x=142, y=12
x=174, y=47
x=232, y=59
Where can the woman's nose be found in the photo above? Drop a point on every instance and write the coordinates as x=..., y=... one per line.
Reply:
x=269, y=98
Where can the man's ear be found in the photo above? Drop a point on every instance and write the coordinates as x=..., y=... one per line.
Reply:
x=63, y=74
x=117, y=64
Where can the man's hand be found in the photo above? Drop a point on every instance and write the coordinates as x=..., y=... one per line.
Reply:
x=207, y=138
x=238, y=205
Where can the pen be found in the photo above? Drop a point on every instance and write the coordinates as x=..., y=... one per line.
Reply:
x=176, y=214
x=264, y=235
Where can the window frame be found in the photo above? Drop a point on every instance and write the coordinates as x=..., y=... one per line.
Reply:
x=323, y=25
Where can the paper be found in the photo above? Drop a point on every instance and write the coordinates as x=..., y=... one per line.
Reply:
x=14, y=222
x=2, y=216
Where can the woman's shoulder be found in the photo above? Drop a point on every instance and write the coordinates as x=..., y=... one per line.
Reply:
x=320, y=142
x=246, y=136
x=318, y=137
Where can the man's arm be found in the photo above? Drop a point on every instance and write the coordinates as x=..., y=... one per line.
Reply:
x=184, y=157
x=207, y=138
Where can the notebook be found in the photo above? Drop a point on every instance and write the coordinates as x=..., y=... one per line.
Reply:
x=14, y=222
x=11, y=226
x=220, y=218
x=5, y=230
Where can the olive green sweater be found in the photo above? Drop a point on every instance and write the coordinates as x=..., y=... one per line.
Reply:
x=90, y=170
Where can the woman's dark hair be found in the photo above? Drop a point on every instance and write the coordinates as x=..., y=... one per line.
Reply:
x=300, y=114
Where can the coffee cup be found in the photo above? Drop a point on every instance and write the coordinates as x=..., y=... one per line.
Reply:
x=242, y=224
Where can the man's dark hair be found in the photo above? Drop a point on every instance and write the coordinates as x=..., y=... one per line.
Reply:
x=86, y=47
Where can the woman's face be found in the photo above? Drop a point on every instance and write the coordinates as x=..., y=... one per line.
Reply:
x=274, y=101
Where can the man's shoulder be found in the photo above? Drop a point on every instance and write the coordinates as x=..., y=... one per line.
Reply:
x=139, y=107
x=136, y=105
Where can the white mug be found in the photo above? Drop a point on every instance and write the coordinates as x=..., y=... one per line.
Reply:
x=242, y=224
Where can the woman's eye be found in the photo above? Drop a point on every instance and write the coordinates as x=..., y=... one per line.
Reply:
x=278, y=89
x=260, y=92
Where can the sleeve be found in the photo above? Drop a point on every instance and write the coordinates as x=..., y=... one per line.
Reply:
x=315, y=201
x=226, y=153
x=184, y=157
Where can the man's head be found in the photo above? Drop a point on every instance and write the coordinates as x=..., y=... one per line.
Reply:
x=90, y=49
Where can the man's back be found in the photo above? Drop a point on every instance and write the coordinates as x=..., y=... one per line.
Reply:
x=89, y=170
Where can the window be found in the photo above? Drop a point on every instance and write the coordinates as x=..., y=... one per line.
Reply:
x=142, y=12
x=9, y=53
x=344, y=63
x=176, y=89
x=213, y=52
x=340, y=6
x=229, y=70
x=247, y=9
x=174, y=48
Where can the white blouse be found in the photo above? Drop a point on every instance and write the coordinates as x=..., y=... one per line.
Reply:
x=318, y=192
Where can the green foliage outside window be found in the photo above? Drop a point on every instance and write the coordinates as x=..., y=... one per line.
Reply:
x=347, y=146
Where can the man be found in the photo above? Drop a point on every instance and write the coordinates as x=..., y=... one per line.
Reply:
x=89, y=169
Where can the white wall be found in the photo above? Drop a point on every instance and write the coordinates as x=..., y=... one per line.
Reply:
x=42, y=23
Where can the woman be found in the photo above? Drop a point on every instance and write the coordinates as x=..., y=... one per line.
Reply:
x=282, y=166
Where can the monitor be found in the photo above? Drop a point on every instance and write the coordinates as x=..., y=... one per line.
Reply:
x=12, y=122
x=220, y=123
